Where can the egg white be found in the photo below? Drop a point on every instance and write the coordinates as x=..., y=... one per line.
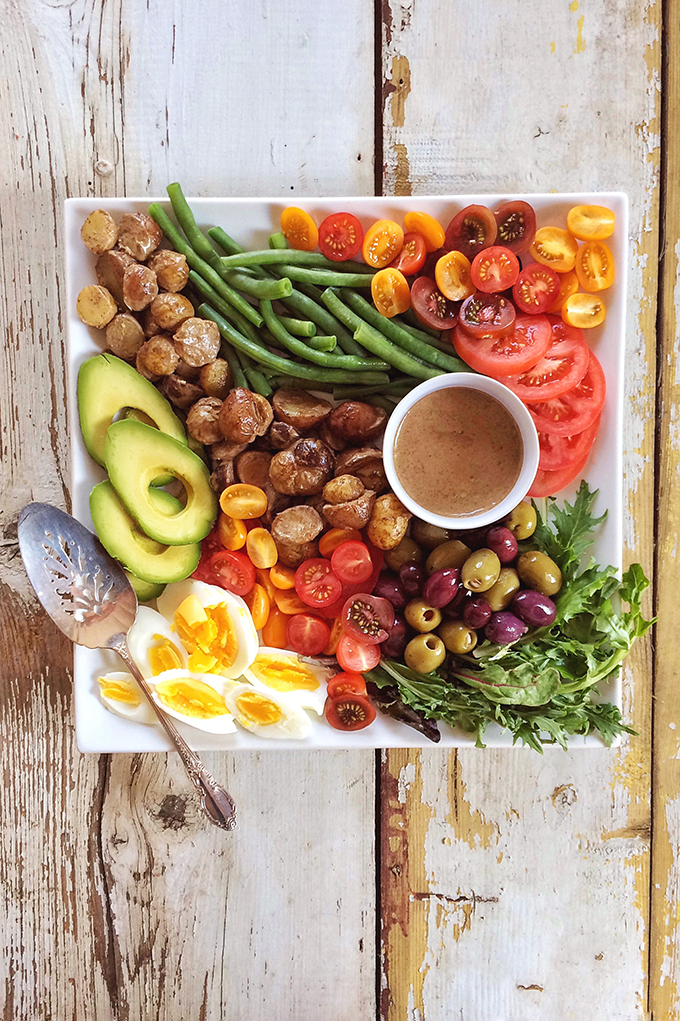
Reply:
x=294, y=722
x=141, y=638
x=142, y=713
x=306, y=699
x=222, y=685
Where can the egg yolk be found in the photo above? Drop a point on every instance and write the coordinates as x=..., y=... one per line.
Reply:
x=257, y=709
x=283, y=673
x=191, y=697
x=164, y=655
x=119, y=691
x=208, y=634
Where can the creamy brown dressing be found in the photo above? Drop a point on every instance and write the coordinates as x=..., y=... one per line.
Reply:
x=458, y=451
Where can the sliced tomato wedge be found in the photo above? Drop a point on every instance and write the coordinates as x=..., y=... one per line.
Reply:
x=412, y=256
x=494, y=269
x=536, y=289
x=561, y=368
x=430, y=305
x=487, y=315
x=558, y=452
x=340, y=236
x=471, y=230
x=549, y=483
x=576, y=410
x=508, y=355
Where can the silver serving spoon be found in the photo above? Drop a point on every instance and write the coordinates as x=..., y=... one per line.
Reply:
x=88, y=597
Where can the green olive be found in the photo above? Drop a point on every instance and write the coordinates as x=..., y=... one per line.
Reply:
x=407, y=552
x=453, y=553
x=539, y=572
x=522, y=521
x=424, y=653
x=457, y=636
x=422, y=616
x=480, y=571
x=428, y=536
x=499, y=596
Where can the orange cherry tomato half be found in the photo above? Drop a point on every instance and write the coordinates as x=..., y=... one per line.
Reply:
x=299, y=229
x=274, y=631
x=346, y=684
x=288, y=601
x=262, y=577
x=382, y=243
x=591, y=223
x=452, y=273
x=430, y=230
x=411, y=258
x=568, y=285
x=334, y=538
x=494, y=269
x=232, y=532
x=390, y=292
x=595, y=266
x=356, y=657
x=243, y=501
x=282, y=577
x=584, y=311
x=554, y=247
x=259, y=605
x=340, y=236
x=307, y=635
x=349, y=712
x=261, y=548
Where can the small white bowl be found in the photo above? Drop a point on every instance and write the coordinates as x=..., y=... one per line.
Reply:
x=525, y=424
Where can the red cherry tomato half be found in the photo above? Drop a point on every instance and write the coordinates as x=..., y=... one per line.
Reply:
x=430, y=305
x=558, y=452
x=306, y=634
x=494, y=269
x=508, y=355
x=412, y=256
x=576, y=410
x=232, y=571
x=340, y=236
x=352, y=562
x=350, y=712
x=516, y=225
x=487, y=315
x=316, y=584
x=549, y=483
x=471, y=230
x=368, y=618
x=346, y=684
x=560, y=369
x=536, y=289
x=356, y=657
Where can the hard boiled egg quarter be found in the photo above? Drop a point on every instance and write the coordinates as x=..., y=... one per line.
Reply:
x=280, y=670
x=214, y=626
x=269, y=714
x=196, y=699
x=120, y=693
x=153, y=644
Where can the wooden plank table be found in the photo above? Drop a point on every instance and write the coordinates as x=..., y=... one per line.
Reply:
x=419, y=885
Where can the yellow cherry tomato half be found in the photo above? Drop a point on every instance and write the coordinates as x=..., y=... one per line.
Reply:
x=382, y=242
x=452, y=273
x=274, y=631
x=232, y=532
x=299, y=229
x=591, y=223
x=259, y=605
x=595, y=266
x=390, y=292
x=243, y=501
x=568, y=285
x=584, y=311
x=282, y=577
x=261, y=548
x=289, y=602
x=430, y=230
x=554, y=247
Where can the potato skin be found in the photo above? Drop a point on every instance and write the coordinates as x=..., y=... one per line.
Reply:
x=356, y=421
x=140, y=286
x=389, y=522
x=297, y=525
x=171, y=269
x=203, y=420
x=197, y=341
x=99, y=232
x=245, y=415
x=343, y=488
x=139, y=235
x=180, y=392
x=352, y=514
x=215, y=378
x=366, y=463
x=110, y=269
x=302, y=469
x=171, y=310
x=96, y=306
x=124, y=336
x=159, y=355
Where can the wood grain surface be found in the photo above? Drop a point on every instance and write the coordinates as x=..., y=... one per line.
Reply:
x=509, y=886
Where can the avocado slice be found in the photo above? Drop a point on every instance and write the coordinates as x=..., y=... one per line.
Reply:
x=144, y=590
x=151, y=563
x=135, y=455
x=106, y=385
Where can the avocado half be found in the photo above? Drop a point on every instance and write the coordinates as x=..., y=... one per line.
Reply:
x=152, y=564
x=135, y=455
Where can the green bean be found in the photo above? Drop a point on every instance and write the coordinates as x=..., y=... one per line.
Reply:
x=201, y=266
x=320, y=343
x=260, y=287
x=301, y=350
x=232, y=314
x=427, y=338
x=441, y=345
x=195, y=237
x=295, y=383
x=298, y=327
x=325, y=277
x=398, y=387
x=277, y=241
x=307, y=306
x=293, y=256
x=382, y=402
x=395, y=333
x=230, y=356
x=257, y=381
x=225, y=242
x=413, y=320
x=374, y=341
x=281, y=365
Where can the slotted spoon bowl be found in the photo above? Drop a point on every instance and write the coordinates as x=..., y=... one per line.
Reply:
x=88, y=597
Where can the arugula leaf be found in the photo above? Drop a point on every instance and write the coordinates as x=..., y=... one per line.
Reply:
x=571, y=532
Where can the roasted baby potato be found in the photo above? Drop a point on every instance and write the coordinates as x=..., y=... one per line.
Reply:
x=297, y=525
x=244, y=416
x=110, y=270
x=99, y=232
x=203, y=420
x=389, y=522
x=302, y=469
x=197, y=341
x=356, y=421
x=159, y=355
x=171, y=268
x=140, y=286
x=124, y=336
x=171, y=310
x=215, y=378
x=96, y=306
x=139, y=235
x=300, y=409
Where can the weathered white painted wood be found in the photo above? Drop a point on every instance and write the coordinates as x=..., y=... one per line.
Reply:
x=119, y=900
x=525, y=890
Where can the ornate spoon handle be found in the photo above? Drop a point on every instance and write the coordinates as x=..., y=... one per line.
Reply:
x=217, y=802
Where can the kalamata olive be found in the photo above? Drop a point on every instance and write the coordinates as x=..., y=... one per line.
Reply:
x=412, y=579
x=424, y=653
x=539, y=572
x=441, y=587
x=475, y=538
x=502, y=542
x=407, y=552
x=534, y=608
x=428, y=536
x=522, y=520
x=394, y=647
x=476, y=612
x=453, y=553
x=454, y=609
x=480, y=571
x=387, y=587
x=504, y=628
x=457, y=636
x=499, y=596
x=421, y=616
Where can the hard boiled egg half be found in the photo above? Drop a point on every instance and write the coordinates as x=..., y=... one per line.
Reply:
x=280, y=670
x=154, y=645
x=120, y=693
x=270, y=715
x=196, y=699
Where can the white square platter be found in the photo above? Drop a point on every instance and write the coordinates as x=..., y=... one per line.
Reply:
x=251, y=221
